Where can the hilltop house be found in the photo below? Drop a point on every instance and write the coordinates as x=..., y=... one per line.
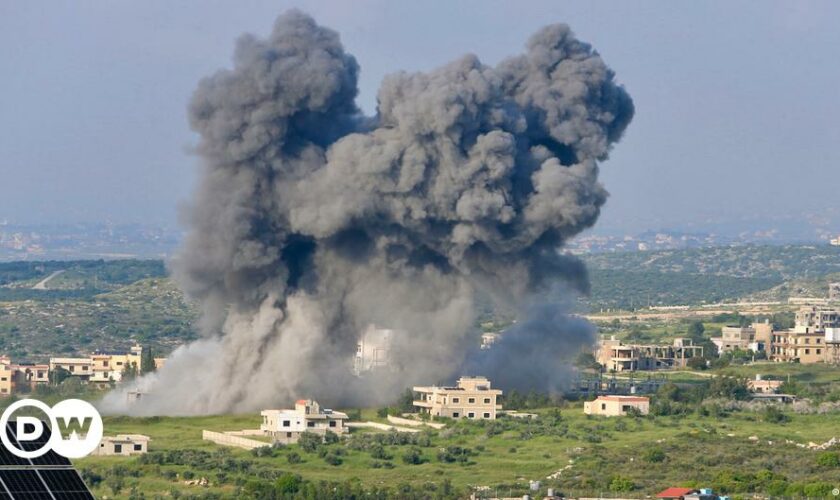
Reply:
x=471, y=398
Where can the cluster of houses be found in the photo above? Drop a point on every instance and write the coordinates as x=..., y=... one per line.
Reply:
x=815, y=338
x=100, y=367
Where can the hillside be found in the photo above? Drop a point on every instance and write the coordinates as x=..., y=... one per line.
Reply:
x=708, y=275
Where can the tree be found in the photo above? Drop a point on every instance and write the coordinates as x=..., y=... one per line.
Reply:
x=58, y=375
x=129, y=372
x=147, y=361
x=696, y=329
x=697, y=363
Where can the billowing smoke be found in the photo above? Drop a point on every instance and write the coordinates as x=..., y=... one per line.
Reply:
x=312, y=221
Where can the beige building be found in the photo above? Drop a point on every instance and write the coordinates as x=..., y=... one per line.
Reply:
x=616, y=406
x=7, y=383
x=472, y=398
x=286, y=426
x=614, y=355
x=123, y=444
x=79, y=367
x=762, y=386
x=813, y=339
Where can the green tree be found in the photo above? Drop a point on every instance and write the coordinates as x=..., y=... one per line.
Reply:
x=147, y=361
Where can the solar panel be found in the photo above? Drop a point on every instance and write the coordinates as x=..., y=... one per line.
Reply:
x=48, y=477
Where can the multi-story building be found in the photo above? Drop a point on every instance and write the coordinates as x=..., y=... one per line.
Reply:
x=614, y=355
x=373, y=349
x=472, y=398
x=101, y=367
x=7, y=383
x=812, y=339
x=286, y=426
x=78, y=367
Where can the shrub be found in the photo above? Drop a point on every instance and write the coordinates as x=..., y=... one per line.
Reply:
x=309, y=442
x=293, y=457
x=829, y=459
x=412, y=456
x=620, y=484
x=654, y=455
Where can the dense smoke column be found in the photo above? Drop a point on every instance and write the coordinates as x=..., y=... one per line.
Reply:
x=312, y=221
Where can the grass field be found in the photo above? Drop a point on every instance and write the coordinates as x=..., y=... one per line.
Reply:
x=595, y=455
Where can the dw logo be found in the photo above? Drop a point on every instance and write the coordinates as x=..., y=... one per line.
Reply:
x=75, y=428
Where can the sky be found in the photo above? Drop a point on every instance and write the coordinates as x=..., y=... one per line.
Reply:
x=737, y=103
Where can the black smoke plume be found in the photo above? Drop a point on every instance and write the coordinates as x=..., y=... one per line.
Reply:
x=312, y=221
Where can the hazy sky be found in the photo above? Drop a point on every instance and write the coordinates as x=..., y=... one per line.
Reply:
x=737, y=103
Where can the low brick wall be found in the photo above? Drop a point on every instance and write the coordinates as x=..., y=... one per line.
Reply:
x=230, y=440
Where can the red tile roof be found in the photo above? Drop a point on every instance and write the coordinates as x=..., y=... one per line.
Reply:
x=675, y=492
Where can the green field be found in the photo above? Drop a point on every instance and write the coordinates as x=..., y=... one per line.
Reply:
x=596, y=455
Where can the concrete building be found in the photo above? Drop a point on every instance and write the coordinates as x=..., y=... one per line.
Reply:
x=123, y=444
x=762, y=386
x=614, y=355
x=488, y=339
x=7, y=383
x=811, y=340
x=834, y=291
x=286, y=426
x=30, y=375
x=77, y=367
x=471, y=397
x=373, y=350
x=616, y=406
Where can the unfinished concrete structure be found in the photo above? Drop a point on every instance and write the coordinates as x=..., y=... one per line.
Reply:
x=471, y=397
x=614, y=355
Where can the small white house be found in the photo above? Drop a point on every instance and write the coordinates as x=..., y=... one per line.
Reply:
x=123, y=444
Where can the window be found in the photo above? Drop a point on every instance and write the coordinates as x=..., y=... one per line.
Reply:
x=486, y=415
x=310, y=424
x=84, y=368
x=288, y=434
x=286, y=423
x=807, y=351
x=455, y=414
x=119, y=363
x=332, y=423
x=72, y=368
x=456, y=400
x=117, y=448
x=4, y=379
x=471, y=415
x=487, y=401
x=603, y=406
x=4, y=390
x=471, y=401
x=818, y=351
x=138, y=447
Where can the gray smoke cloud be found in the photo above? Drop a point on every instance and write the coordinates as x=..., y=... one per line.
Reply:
x=312, y=221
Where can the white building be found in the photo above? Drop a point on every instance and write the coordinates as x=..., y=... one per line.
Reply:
x=616, y=406
x=286, y=426
x=373, y=350
x=123, y=444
